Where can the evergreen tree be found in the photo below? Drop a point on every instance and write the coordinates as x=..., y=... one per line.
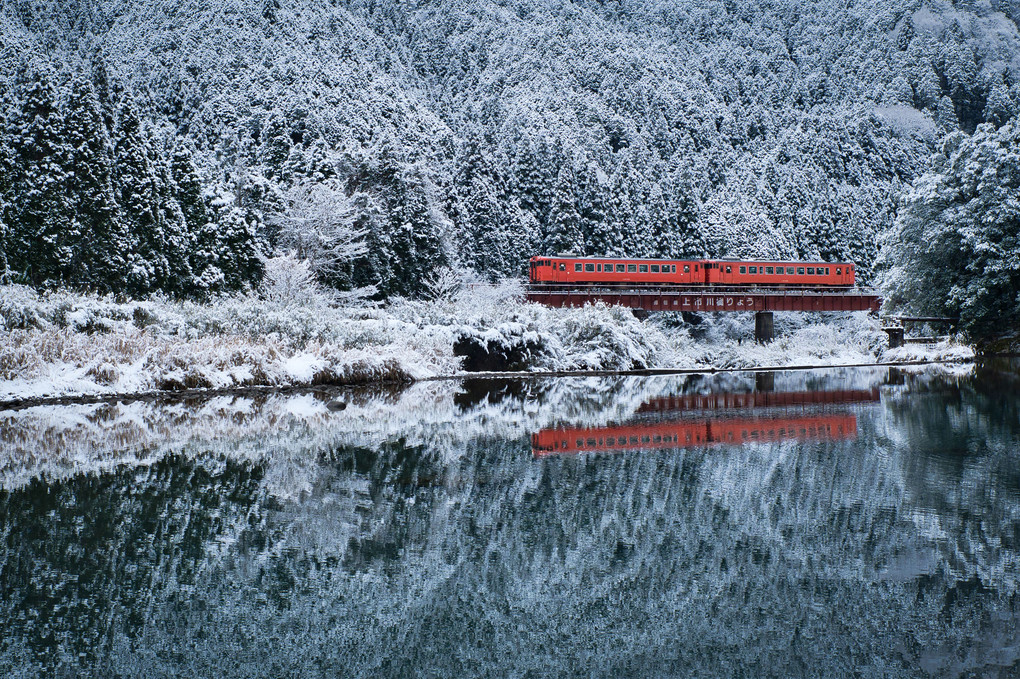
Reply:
x=592, y=207
x=40, y=209
x=8, y=173
x=405, y=242
x=564, y=233
x=276, y=147
x=237, y=259
x=96, y=232
x=675, y=222
x=955, y=246
x=145, y=196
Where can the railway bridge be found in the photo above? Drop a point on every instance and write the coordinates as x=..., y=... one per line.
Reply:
x=763, y=302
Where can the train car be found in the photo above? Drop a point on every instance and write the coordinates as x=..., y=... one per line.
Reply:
x=608, y=271
x=613, y=271
x=777, y=274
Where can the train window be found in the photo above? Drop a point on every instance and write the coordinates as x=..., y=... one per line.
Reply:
x=729, y=269
x=800, y=270
x=743, y=269
x=789, y=270
x=643, y=268
x=631, y=268
x=753, y=269
x=633, y=439
x=810, y=271
x=563, y=267
x=769, y=269
x=826, y=271
x=839, y=272
x=577, y=267
x=687, y=268
x=655, y=268
x=646, y=439
x=610, y=441
x=598, y=267
x=820, y=271
x=589, y=267
x=619, y=268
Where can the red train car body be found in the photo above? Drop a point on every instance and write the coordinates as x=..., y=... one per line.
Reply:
x=607, y=271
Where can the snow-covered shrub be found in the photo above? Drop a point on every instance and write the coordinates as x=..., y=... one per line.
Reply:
x=510, y=346
x=290, y=281
x=19, y=308
x=598, y=337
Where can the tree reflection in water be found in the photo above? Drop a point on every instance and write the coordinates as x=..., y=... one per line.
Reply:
x=417, y=534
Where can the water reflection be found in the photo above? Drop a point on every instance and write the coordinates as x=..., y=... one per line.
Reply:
x=676, y=420
x=415, y=534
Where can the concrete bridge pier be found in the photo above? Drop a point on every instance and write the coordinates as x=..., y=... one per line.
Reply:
x=896, y=339
x=764, y=328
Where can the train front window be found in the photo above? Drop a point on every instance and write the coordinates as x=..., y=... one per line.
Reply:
x=631, y=268
x=577, y=267
x=643, y=268
x=589, y=267
x=619, y=268
x=769, y=269
x=655, y=268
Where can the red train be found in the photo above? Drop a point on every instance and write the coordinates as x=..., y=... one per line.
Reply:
x=608, y=271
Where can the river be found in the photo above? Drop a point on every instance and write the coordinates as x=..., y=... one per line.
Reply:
x=852, y=522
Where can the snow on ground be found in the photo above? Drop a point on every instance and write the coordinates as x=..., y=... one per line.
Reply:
x=62, y=343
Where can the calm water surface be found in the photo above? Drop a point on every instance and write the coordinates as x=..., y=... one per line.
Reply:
x=828, y=523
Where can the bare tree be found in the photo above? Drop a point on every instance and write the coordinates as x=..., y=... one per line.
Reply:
x=317, y=225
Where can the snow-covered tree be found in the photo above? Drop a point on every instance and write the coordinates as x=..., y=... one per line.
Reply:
x=564, y=233
x=955, y=246
x=405, y=227
x=154, y=218
x=103, y=242
x=318, y=224
x=40, y=204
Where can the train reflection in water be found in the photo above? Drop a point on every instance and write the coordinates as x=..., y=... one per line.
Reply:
x=706, y=419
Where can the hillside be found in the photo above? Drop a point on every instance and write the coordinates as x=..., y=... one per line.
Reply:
x=471, y=133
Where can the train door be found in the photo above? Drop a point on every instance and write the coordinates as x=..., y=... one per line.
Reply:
x=706, y=272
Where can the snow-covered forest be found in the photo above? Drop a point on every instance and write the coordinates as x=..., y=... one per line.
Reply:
x=181, y=149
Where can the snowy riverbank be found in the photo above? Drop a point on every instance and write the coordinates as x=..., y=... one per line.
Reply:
x=63, y=344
